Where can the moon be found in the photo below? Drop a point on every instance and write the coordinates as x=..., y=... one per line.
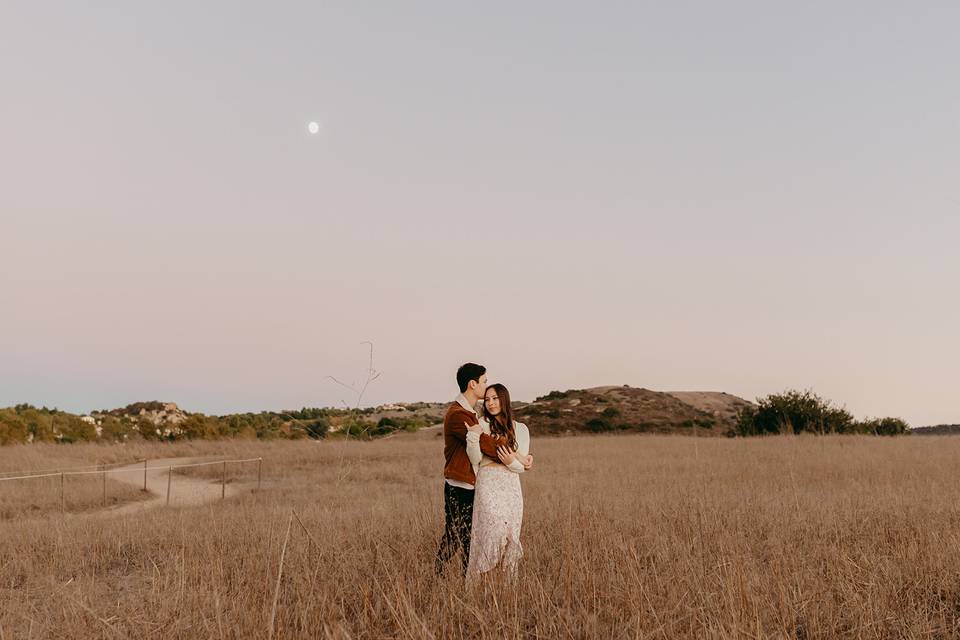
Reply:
x=313, y=128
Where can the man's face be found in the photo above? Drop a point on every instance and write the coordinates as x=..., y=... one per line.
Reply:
x=480, y=387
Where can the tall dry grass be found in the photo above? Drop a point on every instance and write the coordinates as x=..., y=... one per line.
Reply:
x=626, y=536
x=40, y=495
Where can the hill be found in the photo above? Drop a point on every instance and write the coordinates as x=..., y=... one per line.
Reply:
x=600, y=409
x=607, y=409
x=938, y=430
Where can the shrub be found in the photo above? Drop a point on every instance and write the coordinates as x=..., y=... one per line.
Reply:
x=794, y=411
x=13, y=429
x=598, y=424
x=554, y=395
x=884, y=426
x=308, y=413
x=805, y=411
x=357, y=428
x=317, y=429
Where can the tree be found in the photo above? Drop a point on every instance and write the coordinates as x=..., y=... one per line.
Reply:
x=805, y=411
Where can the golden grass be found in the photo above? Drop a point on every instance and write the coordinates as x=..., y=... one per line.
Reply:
x=625, y=536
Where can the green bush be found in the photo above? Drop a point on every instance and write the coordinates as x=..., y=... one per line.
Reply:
x=357, y=428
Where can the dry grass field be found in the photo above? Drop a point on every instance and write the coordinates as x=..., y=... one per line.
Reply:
x=626, y=536
x=41, y=495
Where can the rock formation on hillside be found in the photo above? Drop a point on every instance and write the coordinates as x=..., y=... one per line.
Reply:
x=154, y=412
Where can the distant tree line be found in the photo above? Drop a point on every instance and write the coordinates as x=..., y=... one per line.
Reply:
x=25, y=423
x=806, y=412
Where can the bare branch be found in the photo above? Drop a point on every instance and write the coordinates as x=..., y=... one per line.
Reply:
x=351, y=388
x=359, y=390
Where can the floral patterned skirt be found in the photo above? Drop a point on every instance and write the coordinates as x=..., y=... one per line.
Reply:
x=497, y=516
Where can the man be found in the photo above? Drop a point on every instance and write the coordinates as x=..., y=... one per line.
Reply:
x=458, y=473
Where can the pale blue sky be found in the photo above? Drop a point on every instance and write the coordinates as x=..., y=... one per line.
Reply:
x=742, y=196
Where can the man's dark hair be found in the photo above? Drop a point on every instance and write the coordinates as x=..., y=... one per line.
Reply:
x=468, y=372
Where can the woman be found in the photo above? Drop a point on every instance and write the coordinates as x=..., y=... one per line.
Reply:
x=497, y=499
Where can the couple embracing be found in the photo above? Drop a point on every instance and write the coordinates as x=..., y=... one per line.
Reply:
x=485, y=451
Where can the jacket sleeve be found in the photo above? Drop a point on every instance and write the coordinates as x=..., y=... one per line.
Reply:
x=455, y=425
x=483, y=444
x=489, y=445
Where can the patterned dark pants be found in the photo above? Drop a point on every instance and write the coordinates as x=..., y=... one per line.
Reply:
x=458, y=514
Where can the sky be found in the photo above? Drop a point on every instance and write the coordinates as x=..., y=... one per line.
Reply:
x=743, y=196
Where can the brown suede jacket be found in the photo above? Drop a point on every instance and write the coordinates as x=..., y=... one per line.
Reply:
x=458, y=465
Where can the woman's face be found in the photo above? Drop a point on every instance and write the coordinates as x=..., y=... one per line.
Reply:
x=492, y=402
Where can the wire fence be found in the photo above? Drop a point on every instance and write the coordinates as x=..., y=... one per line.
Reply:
x=128, y=468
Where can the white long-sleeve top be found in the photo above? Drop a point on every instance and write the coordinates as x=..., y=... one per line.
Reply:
x=477, y=459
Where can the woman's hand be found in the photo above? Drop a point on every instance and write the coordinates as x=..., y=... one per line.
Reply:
x=474, y=428
x=506, y=455
x=527, y=462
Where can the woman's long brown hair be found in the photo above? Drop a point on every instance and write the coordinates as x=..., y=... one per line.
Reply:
x=502, y=423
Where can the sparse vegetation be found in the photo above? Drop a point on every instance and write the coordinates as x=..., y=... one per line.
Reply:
x=553, y=395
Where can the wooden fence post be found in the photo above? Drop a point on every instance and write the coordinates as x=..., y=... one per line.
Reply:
x=104, y=488
x=169, y=480
x=223, y=482
x=61, y=492
x=259, y=469
x=144, y=474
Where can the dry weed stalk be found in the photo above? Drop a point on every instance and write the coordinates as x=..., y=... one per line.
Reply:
x=276, y=591
x=360, y=389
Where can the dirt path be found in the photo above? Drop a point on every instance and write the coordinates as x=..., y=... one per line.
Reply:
x=184, y=491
